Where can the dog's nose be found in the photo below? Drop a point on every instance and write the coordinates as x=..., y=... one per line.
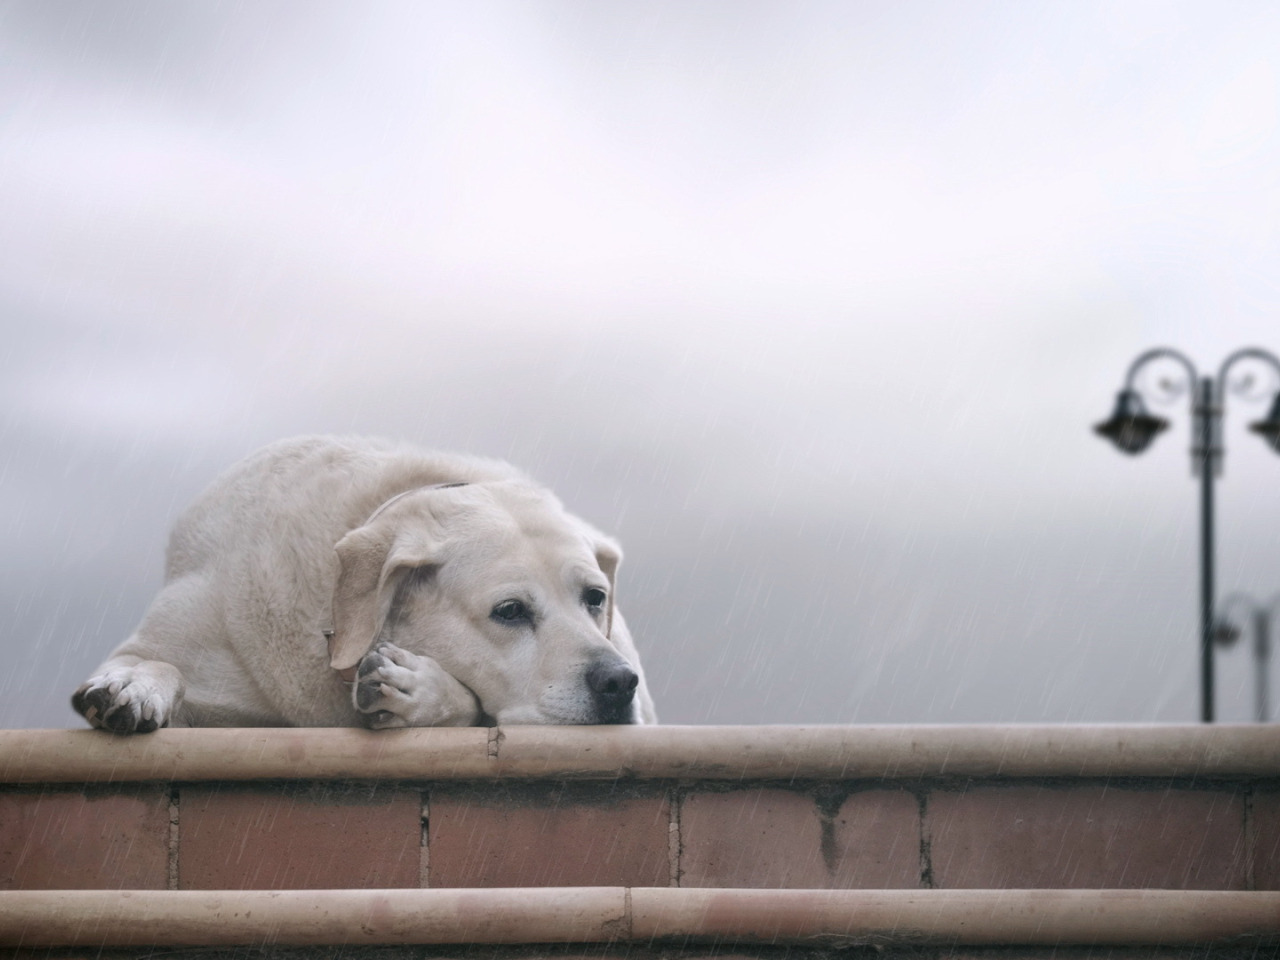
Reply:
x=612, y=684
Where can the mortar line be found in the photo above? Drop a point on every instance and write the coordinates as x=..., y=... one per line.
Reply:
x=1250, y=840
x=171, y=880
x=926, y=842
x=674, y=839
x=424, y=844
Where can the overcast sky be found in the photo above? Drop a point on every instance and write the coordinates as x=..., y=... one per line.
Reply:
x=811, y=304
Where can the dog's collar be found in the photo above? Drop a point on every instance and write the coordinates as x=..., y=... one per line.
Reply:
x=405, y=493
x=349, y=674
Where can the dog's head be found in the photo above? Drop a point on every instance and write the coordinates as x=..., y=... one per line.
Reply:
x=510, y=594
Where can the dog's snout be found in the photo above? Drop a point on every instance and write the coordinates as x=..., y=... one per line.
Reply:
x=613, y=685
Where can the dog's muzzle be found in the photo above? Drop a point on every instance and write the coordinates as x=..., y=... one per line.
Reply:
x=613, y=684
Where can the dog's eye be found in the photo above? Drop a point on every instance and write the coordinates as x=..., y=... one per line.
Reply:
x=510, y=611
x=594, y=598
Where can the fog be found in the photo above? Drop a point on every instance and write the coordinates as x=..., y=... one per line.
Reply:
x=812, y=305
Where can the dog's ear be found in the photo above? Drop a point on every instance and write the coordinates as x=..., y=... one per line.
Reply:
x=372, y=560
x=608, y=557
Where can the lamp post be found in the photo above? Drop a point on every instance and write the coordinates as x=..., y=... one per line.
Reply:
x=1131, y=428
x=1226, y=632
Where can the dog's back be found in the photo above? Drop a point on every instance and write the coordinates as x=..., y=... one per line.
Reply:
x=308, y=492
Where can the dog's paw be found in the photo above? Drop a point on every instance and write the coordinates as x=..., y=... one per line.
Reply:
x=124, y=700
x=396, y=688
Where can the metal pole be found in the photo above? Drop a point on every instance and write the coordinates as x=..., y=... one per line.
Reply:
x=1203, y=455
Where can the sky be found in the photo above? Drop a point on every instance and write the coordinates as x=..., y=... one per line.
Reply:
x=811, y=304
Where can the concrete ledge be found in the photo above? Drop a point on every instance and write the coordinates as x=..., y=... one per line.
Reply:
x=611, y=914
x=704, y=753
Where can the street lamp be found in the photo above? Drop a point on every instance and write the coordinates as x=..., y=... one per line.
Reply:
x=1132, y=429
x=1226, y=632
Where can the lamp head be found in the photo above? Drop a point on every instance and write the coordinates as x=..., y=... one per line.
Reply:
x=1130, y=427
x=1269, y=428
x=1225, y=633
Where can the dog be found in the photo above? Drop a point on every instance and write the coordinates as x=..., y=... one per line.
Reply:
x=345, y=582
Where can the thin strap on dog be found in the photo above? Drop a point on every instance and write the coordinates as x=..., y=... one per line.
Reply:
x=432, y=486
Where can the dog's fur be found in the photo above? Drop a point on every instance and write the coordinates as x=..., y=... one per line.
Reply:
x=461, y=592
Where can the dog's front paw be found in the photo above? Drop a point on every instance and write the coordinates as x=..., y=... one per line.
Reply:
x=396, y=688
x=125, y=700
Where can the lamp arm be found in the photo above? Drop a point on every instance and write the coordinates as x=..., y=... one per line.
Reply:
x=1162, y=353
x=1247, y=353
x=1238, y=603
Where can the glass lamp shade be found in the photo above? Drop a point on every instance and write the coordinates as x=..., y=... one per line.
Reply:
x=1269, y=429
x=1130, y=427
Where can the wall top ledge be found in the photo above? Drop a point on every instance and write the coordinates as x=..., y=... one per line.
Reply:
x=706, y=753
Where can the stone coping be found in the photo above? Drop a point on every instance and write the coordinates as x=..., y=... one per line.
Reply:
x=106, y=918
x=661, y=752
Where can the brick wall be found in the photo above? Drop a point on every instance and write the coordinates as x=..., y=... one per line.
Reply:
x=932, y=812
x=934, y=832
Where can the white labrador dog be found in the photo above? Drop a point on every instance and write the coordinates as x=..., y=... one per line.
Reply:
x=342, y=582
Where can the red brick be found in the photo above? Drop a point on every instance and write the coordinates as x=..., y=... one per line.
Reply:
x=568, y=835
x=1086, y=836
x=751, y=838
x=877, y=841
x=299, y=837
x=1266, y=839
x=85, y=838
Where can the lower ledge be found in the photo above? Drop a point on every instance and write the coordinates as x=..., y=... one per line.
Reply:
x=125, y=918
